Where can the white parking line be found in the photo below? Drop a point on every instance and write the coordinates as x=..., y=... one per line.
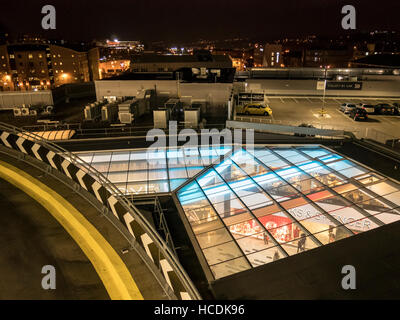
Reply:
x=345, y=115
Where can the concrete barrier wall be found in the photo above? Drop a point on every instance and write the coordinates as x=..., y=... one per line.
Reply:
x=9, y=100
x=284, y=129
x=383, y=88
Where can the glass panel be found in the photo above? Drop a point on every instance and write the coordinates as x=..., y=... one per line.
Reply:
x=119, y=166
x=302, y=244
x=330, y=158
x=101, y=157
x=352, y=172
x=265, y=256
x=153, y=164
x=383, y=188
x=273, y=162
x=101, y=166
x=120, y=156
x=314, y=152
x=388, y=217
x=222, y=252
x=229, y=208
x=200, y=215
x=237, y=218
x=246, y=228
x=254, y=243
x=134, y=176
x=140, y=155
x=158, y=186
x=308, y=186
x=117, y=176
x=206, y=226
x=230, y=171
x=230, y=267
x=192, y=171
x=137, y=188
x=213, y=238
x=178, y=173
x=247, y=163
x=332, y=234
x=176, y=183
x=138, y=165
x=210, y=179
x=122, y=187
x=256, y=200
x=244, y=187
x=176, y=162
x=86, y=157
x=393, y=197
x=369, y=178
x=219, y=194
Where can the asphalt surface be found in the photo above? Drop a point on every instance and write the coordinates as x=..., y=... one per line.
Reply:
x=298, y=110
x=31, y=238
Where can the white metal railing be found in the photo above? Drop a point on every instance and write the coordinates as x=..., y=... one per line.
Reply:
x=148, y=228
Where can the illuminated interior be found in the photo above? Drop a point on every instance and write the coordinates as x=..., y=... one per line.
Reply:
x=152, y=171
x=261, y=205
x=252, y=207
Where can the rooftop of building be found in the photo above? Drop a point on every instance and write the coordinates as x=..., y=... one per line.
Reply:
x=196, y=57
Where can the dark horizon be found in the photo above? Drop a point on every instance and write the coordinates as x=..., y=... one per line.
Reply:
x=183, y=21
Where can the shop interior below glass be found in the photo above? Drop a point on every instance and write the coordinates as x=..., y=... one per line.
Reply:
x=247, y=207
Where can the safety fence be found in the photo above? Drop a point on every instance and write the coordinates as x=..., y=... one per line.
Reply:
x=143, y=233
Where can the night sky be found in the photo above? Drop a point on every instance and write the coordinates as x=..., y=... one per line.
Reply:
x=173, y=20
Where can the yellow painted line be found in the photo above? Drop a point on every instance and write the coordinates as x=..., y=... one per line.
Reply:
x=108, y=264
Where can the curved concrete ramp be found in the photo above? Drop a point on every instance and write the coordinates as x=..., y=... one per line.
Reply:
x=44, y=225
x=30, y=239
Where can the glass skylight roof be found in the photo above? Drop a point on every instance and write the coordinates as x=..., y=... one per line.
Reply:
x=261, y=205
x=152, y=171
x=258, y=205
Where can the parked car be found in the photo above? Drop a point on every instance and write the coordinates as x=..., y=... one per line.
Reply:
x=257, y=108
x=358, y=114
x=368, y=107
x=384, y=108
x=305, y=125
x=396, y=107
x=346, y=107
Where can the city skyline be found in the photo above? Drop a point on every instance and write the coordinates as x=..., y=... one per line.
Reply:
x=191, y=21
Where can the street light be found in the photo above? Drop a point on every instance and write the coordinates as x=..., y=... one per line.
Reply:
x=323, y=99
